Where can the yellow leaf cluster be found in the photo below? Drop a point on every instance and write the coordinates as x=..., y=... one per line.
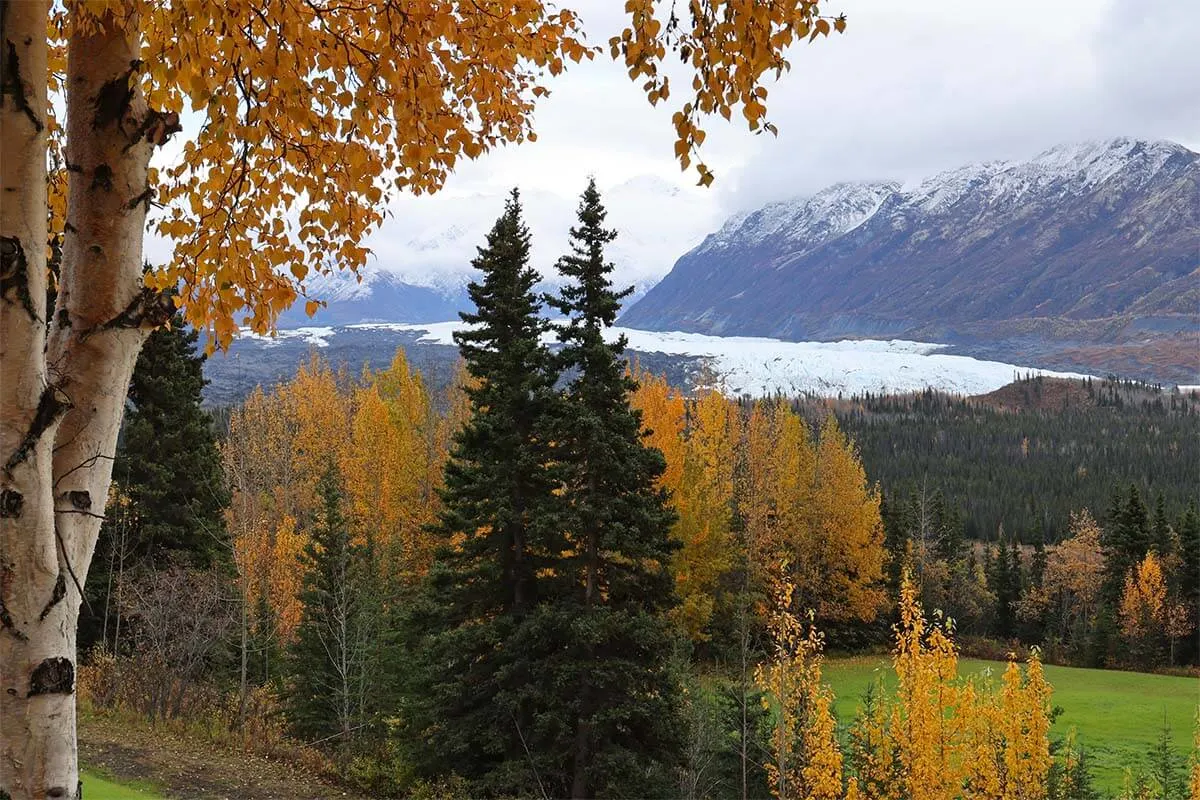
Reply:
x=311, y=114
x=389, y=446
x=1144, y=601
x=803, y=503
x=808, y=504
x=946, y=738
x=806, y=760
x=729, y=48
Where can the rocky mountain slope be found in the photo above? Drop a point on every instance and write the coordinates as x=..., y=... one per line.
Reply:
x=1086, y=257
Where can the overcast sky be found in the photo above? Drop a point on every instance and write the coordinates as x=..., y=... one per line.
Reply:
x=911, y=88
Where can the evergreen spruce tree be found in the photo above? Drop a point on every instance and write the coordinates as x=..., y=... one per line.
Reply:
x=620, y=686
x=1168, y=768
x=168, y=463
x=1188, y=529
x=329, y=665
x=896, y=524
x=1161, y=538
x=1005, y=580
x=1126, y=541
x=480, y=708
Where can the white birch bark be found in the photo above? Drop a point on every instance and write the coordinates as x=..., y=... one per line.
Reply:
x=62, y=384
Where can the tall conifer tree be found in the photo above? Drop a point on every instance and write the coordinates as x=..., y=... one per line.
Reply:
x=479, y=705
x=168, y=463
x=331, y=661
x=621, y=688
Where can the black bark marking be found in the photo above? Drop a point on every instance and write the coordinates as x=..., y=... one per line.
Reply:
x=52, y=676
x=5, y=795
x=56, y=791
x=11, y=503
x=14, y=273
x=11, y=84
x=112, y=101
x=52, y=405
x=102, y=178
x=142, y=199
x=56, y=596
x=156, y=128
x=81, y=500
x=150, y=308
x=6, y=622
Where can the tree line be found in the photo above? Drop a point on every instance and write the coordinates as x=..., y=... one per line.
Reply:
x=523, y=593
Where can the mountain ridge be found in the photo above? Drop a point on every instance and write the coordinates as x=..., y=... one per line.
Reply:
x=1102, y=235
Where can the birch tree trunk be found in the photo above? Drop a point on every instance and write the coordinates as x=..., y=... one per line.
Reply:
x=63, y=381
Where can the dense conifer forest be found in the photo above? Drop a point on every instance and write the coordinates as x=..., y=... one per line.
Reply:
x=1017, y=462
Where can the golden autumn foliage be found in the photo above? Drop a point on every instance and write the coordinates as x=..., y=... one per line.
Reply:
x=386, y=440
x=704, y=500
x=392, y=466
x=809, y=505
x=315, y=114
x=958, y=738
x=802, y=502
x=1144, y=600
x=941, y=737
x=805, y=758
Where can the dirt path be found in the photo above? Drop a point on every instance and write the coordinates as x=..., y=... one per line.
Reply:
x=189, y=770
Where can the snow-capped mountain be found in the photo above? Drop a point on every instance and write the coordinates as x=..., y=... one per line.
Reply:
x=374, y=295
x=1082, y=245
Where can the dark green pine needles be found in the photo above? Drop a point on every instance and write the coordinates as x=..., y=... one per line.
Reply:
x=624, y=701
x=330, y=694
x=543, y=664
x=478, y=703
x=168, y=463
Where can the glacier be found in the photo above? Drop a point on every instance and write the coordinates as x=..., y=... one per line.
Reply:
x=761, y=367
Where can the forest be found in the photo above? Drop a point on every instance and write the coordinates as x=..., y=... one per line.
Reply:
x=567, y=578
x=1019, y=461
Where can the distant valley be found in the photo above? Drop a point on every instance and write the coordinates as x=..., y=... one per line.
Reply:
x=1084, y=259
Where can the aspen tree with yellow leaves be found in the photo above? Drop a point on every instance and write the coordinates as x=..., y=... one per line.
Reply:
x=703, y=501
x=311, y=116
x=949, y=738
x=809, y=505
x=806, y=760
x=1143, y=611
x=392, y=466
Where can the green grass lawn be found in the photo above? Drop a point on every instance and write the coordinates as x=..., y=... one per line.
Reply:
x=1118, y=716
x=96, y=787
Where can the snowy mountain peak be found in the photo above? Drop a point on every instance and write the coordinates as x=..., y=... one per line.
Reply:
x=812, y=220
